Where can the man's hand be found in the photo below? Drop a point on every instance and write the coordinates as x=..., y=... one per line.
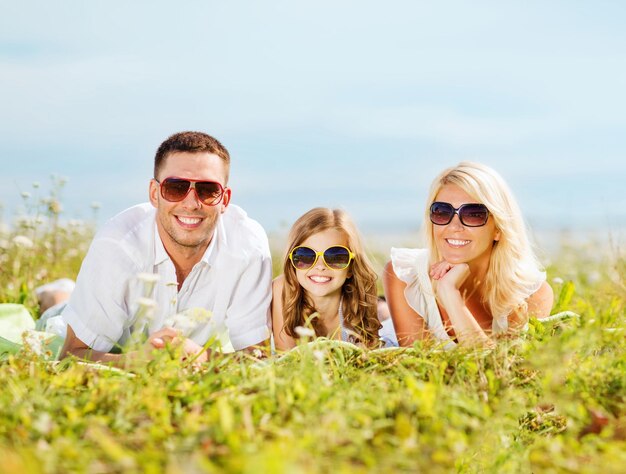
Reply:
x=170, y=336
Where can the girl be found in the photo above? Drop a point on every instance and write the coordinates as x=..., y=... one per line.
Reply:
x=326, y=272
x=477, y=275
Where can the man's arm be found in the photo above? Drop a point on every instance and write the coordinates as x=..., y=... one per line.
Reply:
x=158, y=340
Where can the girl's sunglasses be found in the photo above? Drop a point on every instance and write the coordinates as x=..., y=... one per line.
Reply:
x=470, y=215
x=335, y=258
x=176, y=189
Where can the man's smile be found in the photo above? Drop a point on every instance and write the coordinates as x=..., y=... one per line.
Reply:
x=189, y=222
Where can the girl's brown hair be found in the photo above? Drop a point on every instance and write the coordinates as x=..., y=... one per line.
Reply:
x=359, y=291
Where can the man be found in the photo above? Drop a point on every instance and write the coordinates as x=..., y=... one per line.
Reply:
x=205, y=255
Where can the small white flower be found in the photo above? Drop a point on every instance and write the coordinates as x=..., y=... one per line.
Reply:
x=36, y=184
x=189, y=320
x=147, y=303
x=148, y=277
x=145, y=309
x=557, y=281
x=304, y=332
x=25, y=194
x=594, y=276
x=43, y=423
x=96, y=205
x=319, y=355
x=23, y=241
x=34, y=341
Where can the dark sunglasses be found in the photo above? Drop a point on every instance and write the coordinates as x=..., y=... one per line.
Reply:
x=176, y=189
x=470, y=215
x=335, y=258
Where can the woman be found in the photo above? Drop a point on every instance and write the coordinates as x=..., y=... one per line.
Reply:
x=477, y=276
x=327, y=280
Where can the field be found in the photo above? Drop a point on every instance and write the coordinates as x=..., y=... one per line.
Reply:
x=552, y=401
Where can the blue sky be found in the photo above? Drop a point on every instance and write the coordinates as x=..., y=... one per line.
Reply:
x=354, y=104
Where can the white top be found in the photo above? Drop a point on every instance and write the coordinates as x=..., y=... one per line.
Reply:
x=232, y=280
x=412, y=267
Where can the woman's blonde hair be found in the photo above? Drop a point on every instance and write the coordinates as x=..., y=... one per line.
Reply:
x=359, y=291
x=513, y=270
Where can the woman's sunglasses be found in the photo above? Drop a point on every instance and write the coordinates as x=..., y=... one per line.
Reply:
x=176, y=189
x=335, y=258
x=470, y=215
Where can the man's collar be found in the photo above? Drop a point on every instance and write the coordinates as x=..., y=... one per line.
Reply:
x=160, y=254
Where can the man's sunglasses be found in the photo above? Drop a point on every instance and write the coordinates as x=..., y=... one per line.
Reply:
x=470, y=215
x=176, y=189
x=335, y=258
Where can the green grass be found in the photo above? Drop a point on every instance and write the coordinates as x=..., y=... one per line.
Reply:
x=552, y=401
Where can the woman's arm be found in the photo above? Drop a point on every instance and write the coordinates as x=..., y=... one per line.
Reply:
x=539, y=305
x=447, y=281
x=282, y=341
x=409, y=325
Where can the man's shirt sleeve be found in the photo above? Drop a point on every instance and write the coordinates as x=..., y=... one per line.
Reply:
x=248, y=315
x=98, y=311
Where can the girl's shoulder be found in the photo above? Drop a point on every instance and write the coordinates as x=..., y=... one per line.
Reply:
x=278, y=283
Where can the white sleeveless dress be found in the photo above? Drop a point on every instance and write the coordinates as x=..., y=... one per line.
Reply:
x=412, y=267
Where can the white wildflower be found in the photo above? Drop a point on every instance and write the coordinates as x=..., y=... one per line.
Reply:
x=145, y=309
x=557, y=281
x=34, y=341
x=36, y=184
x=25, y=194
x=43, y=423
x=594, y=276
x=148, y=281
x=23, y=241
x=319, y=355
x=148, y=277
x=189, y=320
x=304, y=332
x=147, y=303
x=95, y=205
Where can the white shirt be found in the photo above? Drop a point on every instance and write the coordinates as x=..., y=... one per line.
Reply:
x=232, y=280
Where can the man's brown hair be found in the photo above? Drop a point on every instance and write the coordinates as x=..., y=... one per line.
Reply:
x=193, y=142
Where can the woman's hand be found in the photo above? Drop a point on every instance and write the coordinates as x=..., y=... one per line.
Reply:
x=447, y=281
x=447, y=276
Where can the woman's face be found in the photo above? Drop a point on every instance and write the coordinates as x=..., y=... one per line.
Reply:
x=458, y=243
x=319, y=280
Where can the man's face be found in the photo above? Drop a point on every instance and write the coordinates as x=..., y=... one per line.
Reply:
x=189, y=224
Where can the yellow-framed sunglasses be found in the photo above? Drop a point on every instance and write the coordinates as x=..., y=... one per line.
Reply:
x=336, y=257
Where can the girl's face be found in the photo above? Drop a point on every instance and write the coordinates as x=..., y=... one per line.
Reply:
x=458, y=243
x=319, y=280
